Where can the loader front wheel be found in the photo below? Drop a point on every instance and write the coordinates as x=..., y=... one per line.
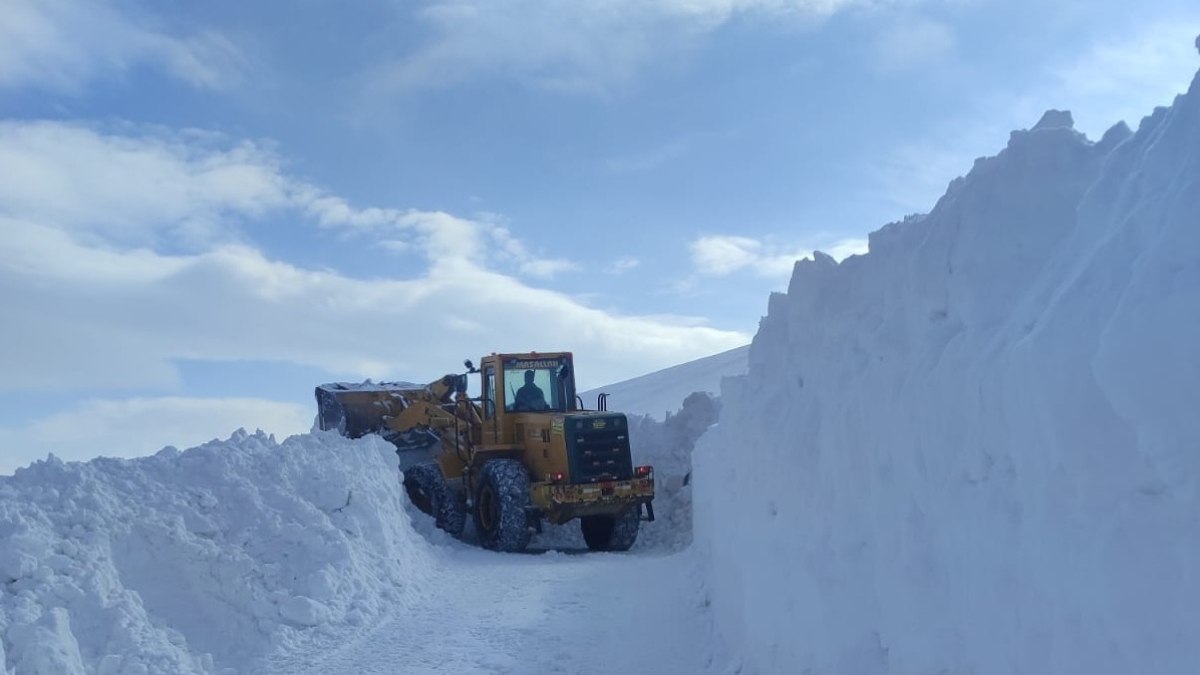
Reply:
x=502, y=505
x=428, y=491
x=612, y=533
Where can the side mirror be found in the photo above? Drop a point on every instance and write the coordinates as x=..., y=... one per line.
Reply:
x=470, y=366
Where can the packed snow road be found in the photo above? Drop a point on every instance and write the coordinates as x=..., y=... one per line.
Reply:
x=539, y=612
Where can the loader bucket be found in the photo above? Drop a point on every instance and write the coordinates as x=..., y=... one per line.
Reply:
x=355, y=410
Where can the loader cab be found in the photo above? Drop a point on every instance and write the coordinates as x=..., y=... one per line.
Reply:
x=527, y=383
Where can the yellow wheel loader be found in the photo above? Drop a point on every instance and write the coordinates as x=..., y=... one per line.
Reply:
x=525, y=450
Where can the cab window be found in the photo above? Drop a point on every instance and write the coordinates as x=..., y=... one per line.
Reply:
x=536, y=385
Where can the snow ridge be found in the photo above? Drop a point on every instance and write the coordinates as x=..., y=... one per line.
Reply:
x=974, y=449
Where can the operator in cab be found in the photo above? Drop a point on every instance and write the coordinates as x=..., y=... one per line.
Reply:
x=530, y=396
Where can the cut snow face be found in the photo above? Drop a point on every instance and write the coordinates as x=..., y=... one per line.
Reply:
x=975, y=449
x=200, y=561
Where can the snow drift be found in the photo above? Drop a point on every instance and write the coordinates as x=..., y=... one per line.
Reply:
x=976, y=449
x=203, y=561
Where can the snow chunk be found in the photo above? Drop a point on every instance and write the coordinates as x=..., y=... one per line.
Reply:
x=47, y=647
x=15, y=564
x=1055, y=119
x=304, y=611
x=1116, y=135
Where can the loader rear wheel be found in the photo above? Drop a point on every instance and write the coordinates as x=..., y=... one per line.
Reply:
x=502, y=505
x=612, y=533
x=428, y=491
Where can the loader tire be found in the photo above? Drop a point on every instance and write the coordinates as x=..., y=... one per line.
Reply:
x=502, y=505
x=428, y=491
x=612, y=533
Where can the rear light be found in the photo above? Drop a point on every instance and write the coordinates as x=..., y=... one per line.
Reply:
x=558, y=478
x=644, y=471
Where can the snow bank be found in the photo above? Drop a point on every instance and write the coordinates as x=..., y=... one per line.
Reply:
x=202, y=561
x=976, y=448
x=668, y=446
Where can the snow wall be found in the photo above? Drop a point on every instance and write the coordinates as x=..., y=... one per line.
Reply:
x=242, y=547
x=976, y=449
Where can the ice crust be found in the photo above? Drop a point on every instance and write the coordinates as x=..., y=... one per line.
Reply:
x=202, y=561
x=976, y=449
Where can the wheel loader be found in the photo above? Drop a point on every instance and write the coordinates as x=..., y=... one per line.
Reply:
x=524, y=451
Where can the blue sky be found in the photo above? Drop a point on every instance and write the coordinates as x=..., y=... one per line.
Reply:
x=208, y=208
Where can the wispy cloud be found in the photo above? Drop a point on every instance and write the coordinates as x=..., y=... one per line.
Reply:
x=623, y=265
x=590, y=46
x=63, y=44
x=1122, y=78
x=1117, y=79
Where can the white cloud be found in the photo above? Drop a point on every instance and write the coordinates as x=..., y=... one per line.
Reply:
x=546, y=269
x=518, y=254
x=844, y=248
x=588, y=46
x=193, y=189
x=61, y=44
x=134, y=191
x=233, y=304
x=724, y=255
x=98, y=305
x=140, y=426
x=442, y=236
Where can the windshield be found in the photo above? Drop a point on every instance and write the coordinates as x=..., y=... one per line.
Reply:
x=535, y=385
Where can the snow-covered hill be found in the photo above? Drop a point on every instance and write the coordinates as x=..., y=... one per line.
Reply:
x=663, y=391
x=976, y=449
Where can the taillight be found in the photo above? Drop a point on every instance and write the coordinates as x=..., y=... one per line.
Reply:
x=558, y=478
x=644, y=471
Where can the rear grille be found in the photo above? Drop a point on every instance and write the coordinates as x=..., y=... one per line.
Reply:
x=598, y=448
